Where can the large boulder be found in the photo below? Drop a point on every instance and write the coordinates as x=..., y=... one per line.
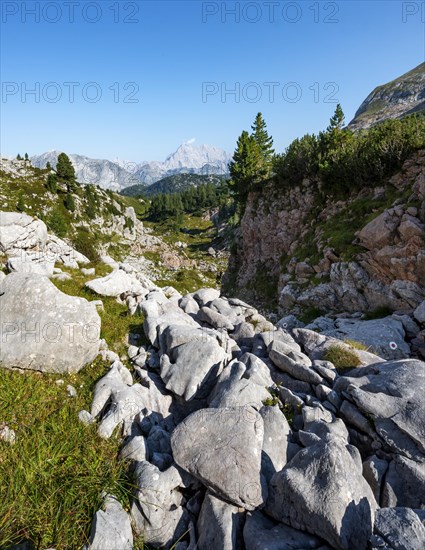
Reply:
x=391, y=393
x=119, y=401
x=157, y=511
x=404, y=484
x=322, y=491
x=59, y=251
x=293, y=362
x=400, y=529
x=195, y=367
x=21, y=232
x=384, y=337
x=44, y=329
x=222, y=448
x=161, y=312
x=30, y=263
x=234, y=390
x=206, y=295
x=276, y=439
x=116, y=283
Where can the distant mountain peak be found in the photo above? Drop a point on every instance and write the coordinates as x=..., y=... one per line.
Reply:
x=402, y=96
x=188, y=158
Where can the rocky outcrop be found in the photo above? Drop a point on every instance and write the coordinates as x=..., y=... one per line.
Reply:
x=263, y=444
x=21, y=232
x=30, y=249
x=42, y=328
x=402, y=96
x=386, y=267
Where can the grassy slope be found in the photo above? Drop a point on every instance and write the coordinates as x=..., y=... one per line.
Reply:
x=54, y=475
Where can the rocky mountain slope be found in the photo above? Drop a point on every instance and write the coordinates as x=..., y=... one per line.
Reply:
x=187, y=159
x=233, y=432
x=402, y=96
x=108, y=224
x=360, y=254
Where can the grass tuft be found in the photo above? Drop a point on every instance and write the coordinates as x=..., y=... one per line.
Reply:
x=341, y=357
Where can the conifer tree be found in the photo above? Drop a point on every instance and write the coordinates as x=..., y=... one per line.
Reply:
x=69, y=202
x=52, y=183
x=18, y=157
x=264, y=142
x=337, y=120
x=245, y=167
x=65, y=172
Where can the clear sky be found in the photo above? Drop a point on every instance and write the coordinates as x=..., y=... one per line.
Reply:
x=133, y=80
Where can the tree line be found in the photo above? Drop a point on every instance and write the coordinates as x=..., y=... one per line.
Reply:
x=337, y=159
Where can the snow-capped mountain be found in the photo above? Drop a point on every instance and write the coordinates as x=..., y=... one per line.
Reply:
x=189, y=158
x=118, y=174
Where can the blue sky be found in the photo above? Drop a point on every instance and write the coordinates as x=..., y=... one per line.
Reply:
x=163, y=71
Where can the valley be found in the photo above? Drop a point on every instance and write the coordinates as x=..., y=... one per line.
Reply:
x=226, y=353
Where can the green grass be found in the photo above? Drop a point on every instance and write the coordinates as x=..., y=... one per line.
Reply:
x=341, y=357
x=199, y=234
x=356, y=345
x=54, y=475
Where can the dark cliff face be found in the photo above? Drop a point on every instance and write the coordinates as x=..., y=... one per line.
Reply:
x=402, y=96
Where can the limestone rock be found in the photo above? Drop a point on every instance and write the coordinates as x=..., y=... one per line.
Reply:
x=44, y=329
x=400, y=528
x=222, y=448
x=219, y=525
x=21, y=232
x=392, y=393
x=156, y=511
x=196, y=365
x=116, y=283
x=322, y=491
x=111, y=528
x=261, y=532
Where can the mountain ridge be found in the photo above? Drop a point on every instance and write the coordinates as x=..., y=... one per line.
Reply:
x=117, y=175
x=401, y=96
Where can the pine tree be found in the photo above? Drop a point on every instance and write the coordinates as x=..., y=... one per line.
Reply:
x=264, y=142
x=26, y=156
x=48, y=166
x=69, y=202
x=91, y=198
x=52, y=183
x=337, y=120
x=245, y=167
x=65, y=172
x=18, y=157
